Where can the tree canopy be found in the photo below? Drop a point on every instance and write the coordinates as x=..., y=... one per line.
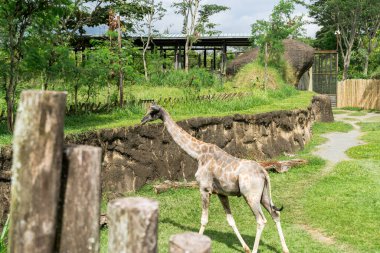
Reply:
x=353, y=26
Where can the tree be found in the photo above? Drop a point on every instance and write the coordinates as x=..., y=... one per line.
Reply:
x=196, y=21
x=152, y=12
x=129, y=13
x=55, y=22
x=268, y=35
x=349, y=21
x=370, y=31
x=16, y=18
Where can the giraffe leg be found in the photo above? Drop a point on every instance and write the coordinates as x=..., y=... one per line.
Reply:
x=254, y=203
x=205, y=204
x=267, y=203
x=230, y=219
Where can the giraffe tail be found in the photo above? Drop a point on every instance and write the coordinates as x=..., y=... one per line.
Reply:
x=277, y=209
x=268, y=191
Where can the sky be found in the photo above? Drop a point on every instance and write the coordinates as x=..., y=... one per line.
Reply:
x=238, y=19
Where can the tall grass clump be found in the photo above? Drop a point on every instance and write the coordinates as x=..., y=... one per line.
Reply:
x=253, y=74
x=195, y=78
x=256, y=98
x=283, y=91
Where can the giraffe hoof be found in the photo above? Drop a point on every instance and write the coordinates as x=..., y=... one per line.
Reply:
x=247, y=250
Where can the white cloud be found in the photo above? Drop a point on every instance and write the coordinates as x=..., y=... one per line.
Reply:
x=238, y=19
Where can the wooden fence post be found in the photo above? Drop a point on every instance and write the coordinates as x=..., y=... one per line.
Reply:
x=132, y=224
x=36, y=171
x=189, y=242
x=80, y=194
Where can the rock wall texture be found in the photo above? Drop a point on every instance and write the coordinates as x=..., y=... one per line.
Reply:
x=322, y=109
x=135, y=155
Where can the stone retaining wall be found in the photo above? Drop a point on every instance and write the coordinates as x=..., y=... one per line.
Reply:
x=133, y=156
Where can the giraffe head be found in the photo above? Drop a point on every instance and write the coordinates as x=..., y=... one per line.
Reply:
x=155, y=112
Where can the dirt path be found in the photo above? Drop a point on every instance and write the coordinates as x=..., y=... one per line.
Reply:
x=333, y=150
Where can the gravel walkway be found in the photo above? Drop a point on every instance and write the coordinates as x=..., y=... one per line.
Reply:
x=334, y=149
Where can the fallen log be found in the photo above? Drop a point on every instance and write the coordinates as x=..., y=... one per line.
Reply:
x=166, y=185
x=282, y=166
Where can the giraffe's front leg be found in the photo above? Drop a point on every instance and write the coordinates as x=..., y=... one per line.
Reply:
x=205, y=195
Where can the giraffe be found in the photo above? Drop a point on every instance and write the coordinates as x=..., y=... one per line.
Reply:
x=225, y=175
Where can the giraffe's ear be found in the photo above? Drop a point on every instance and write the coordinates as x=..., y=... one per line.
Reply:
x=154, y=107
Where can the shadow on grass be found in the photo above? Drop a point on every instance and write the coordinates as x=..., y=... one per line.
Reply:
x=227, y=238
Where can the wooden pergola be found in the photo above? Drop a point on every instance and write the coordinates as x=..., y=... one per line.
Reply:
x=176, y=44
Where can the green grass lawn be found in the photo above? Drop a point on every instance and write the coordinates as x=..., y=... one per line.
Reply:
x=346, y=204
x=338, y=111
x=370, y=150
x=180, y=210
x=358, y=113
x=284, y=98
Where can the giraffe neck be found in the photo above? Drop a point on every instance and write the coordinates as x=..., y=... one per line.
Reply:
x=188, y=143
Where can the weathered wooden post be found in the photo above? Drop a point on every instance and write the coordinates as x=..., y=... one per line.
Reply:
x=189, y=242
x=36, y=171
x=132, y=224
x=80, y=193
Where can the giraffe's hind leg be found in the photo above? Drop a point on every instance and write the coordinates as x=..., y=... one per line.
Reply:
x=230, y=219
x=253, y=200
x=267, y=203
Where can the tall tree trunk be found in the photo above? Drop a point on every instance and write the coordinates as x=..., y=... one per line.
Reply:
x=366, y=58
x=46, y=82
x=145, y=67
x=266, y=67
x=146, y=45
x=108, y=92
x=190, y=32
x=145, y=48
x=346, y=64
x=10, y=91
x=121, y=86
x=346, y=55
x=9, y=110
x=187, y=56
x=76, y=87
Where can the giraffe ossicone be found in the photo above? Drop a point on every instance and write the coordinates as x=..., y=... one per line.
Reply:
x=225, y=175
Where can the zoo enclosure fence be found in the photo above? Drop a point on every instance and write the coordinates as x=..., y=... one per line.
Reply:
x=361, y=93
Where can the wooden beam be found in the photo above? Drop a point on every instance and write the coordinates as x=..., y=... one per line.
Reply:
x=205, y=58
x=214, y=59
x=176, y=60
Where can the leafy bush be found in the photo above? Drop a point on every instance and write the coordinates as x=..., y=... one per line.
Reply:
x=376, y=73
